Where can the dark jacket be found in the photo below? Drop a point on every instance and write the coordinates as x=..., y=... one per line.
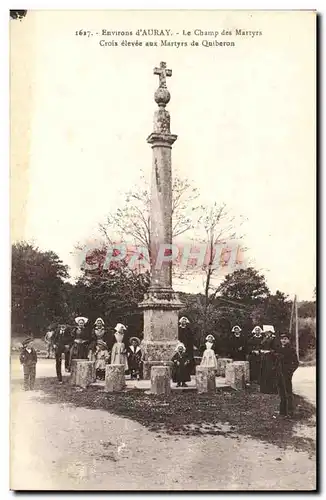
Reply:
x=60, y=340
x=186, y=336
x=28, y=358
x=237, y=348
x=288, y=360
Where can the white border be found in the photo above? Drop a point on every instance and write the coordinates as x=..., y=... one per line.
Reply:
x=318, y=5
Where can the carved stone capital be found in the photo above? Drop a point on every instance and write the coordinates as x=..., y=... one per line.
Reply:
x=163, y=140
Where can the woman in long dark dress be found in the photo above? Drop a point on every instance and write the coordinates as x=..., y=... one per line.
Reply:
x=186, y=337
x=81, y=339
x=181, y=366
x=254, y=348
x=269, y=362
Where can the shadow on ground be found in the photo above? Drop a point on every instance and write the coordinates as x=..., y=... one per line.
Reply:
x=187, y=413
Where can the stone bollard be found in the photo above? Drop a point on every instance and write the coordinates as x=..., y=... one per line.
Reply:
x=82, y=372
x=235, y=376
x=161, y=380
x=205, y=379
x=246, y=369
x=147, y=367
x=114, y=378
x=221, y=366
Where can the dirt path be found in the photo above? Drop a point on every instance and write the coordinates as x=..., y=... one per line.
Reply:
x=62, y=447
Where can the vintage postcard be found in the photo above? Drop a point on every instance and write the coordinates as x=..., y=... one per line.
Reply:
x=163, y=232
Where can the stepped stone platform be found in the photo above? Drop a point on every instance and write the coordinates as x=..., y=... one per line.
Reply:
x=146, y=384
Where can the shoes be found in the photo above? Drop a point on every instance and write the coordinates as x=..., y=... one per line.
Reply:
x=184, y=385
x=178, y=384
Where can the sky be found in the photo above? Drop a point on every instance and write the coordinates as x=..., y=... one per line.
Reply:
x=244, y=116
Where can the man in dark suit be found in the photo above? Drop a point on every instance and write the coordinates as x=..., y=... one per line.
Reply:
x=62, y=341
x=287, y=364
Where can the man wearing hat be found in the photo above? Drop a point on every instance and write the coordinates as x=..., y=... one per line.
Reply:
x=287, y=364
x=237, y=345
x=28, y=358
x=62, y=342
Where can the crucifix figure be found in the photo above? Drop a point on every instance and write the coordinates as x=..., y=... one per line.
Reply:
x=162, y=72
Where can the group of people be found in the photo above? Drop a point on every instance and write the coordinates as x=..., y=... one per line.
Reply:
x=95, y=344
x=272, y=359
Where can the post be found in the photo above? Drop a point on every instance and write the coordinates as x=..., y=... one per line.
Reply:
x=296, y=328
x=161, y=304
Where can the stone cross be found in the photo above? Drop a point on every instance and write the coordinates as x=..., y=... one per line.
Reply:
x=162, y=72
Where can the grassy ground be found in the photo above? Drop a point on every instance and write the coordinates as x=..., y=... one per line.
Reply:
x=248, y=413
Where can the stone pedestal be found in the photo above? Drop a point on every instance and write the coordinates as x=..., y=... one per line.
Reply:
x=221, y=366
x=205, y=379
x=160, y=380
x=147, y=366
x=235, y=376
x=82, y=372
x=246, y=369
x=114, y=378
x=160, y=329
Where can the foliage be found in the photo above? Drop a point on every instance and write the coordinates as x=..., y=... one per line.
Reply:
x=37, y=288
x=307, y=309
x=245, y=285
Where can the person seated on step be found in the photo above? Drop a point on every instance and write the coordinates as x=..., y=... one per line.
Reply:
x=181, y=366
x=209, y=357
x=102, y=358
x=134, y=356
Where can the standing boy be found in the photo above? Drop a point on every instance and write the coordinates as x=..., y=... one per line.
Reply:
x=28, y=358
x=288, y=363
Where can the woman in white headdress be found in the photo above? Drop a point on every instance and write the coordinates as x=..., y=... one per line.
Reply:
x=181, y=366
x=186, y=337
x=269, y=361
x=254, y=349
x=209, y=358
x=99, y=332
x=119, y=352
x=79, y=348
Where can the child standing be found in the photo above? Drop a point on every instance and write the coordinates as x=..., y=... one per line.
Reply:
x=134, y=355
x=181, y=366
x=102, y=358
x=28, y=358
x=209, y=358
x=287, y=364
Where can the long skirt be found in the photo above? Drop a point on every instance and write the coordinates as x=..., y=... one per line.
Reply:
x=255, y=364
x=180, y=373
x=269, y=373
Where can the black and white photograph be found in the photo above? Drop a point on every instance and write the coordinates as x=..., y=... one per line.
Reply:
x=163, y=250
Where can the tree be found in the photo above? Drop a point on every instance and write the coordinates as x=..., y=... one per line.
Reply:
x=244, y=285
x=112, y=294
x=37, y=279
x=132, y=221
x=307, y=309
x=274, y=310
